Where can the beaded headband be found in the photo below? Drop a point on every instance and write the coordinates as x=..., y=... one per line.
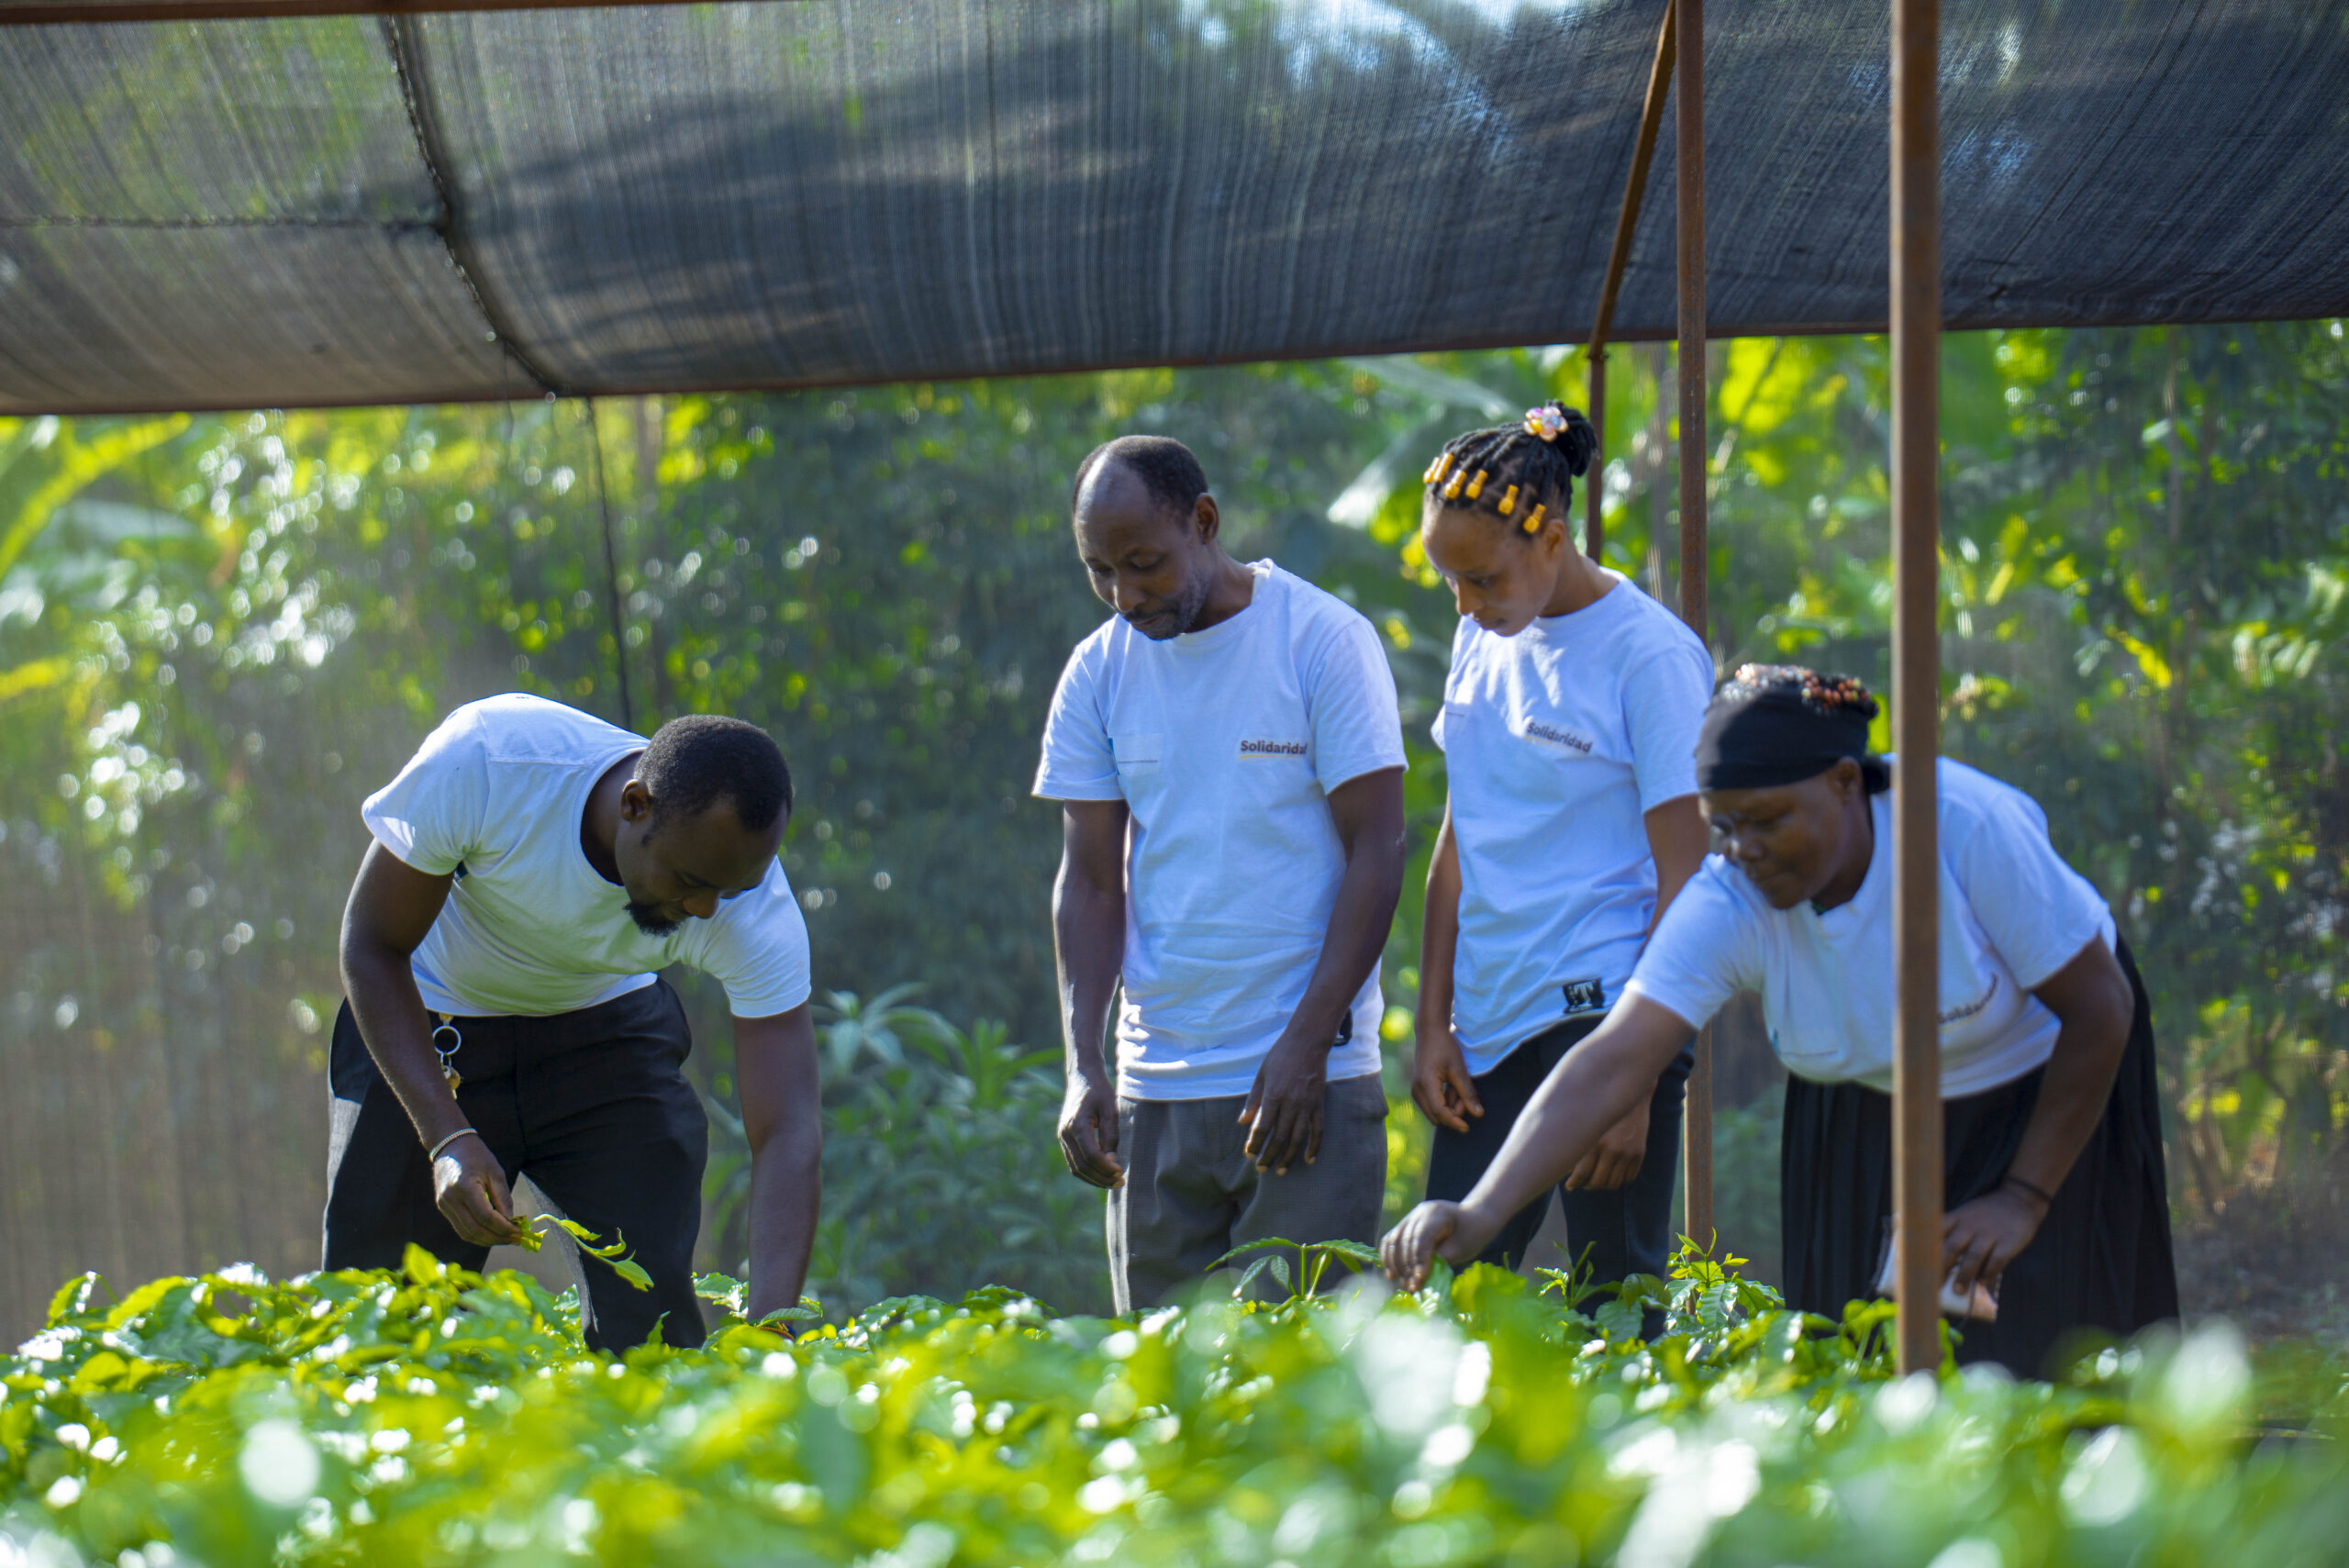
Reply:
x=1821, y=694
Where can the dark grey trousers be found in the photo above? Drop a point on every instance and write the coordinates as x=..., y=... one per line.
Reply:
x=1192, y=1195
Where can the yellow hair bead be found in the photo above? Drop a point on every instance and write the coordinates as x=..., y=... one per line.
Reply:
x=1533, y=523
x=1438, y=468
x=1477, y=485
x=1508, y=501
x=1451, y=487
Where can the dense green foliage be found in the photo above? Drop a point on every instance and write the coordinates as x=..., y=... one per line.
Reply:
x=443, y=1418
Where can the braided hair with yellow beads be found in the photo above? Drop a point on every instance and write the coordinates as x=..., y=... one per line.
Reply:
x=1524, y=472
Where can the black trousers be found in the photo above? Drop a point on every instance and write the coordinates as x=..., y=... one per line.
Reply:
x=2101, y=1263
x=592, y=1106
x=1628, y=1230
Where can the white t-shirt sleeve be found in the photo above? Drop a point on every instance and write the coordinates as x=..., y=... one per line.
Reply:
x=1705, y=950
x=432, y=814
x=1077, y=762
x=1663, y=706
x=757, y=948
x=2037, y=911
x=1459, y=650
x=1350, y=699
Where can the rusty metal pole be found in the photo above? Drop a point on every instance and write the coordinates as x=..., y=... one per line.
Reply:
x=1916, y=677
x=1688, y=156
x=1594, y=484
x=1619, y=256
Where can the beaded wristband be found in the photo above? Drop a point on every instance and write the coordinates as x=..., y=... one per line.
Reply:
x=2033, y=1188
x=462, y=1132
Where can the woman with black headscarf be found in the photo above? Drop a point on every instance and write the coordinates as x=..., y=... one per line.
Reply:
x=2056, y=1201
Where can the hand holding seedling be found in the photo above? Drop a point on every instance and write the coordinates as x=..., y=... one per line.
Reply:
x=1981, y=1238
x=1456, y=1232
x=469, y=1186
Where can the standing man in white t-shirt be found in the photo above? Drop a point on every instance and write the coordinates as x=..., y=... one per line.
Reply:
x=1228, y=758
x=532, y=867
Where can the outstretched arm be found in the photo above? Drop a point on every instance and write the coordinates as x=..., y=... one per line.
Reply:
x=1089, y=945
x=775, y=1062
x=1594, y=1087
x=1678, y=839
x=392, y=908
x=1284, y=1109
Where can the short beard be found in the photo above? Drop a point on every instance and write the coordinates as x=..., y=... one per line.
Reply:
x=1185, y=611
x=649, y=921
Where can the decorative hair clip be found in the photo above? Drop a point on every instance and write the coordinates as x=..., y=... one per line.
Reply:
x=1436, y=470
x=1549, y=422
x=1533, y=523
x=1508, y=501
x=1824, y=694
x=1477, y=485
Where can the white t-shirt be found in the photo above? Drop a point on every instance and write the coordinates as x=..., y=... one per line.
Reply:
x=2013, y=914
x=1558, y=741
x=494, y=795
x=1224, y=745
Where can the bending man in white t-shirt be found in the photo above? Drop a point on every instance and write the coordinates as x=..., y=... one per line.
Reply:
x=532, y=867
x=1229, y=761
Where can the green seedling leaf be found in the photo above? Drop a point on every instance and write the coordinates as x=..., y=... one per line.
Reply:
x=1352, y=1251
x=1247, y=1246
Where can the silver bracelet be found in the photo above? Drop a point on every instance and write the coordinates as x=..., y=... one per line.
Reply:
x=434, y=1153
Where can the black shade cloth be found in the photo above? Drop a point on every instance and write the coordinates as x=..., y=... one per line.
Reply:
x=234, y=213
x=2101, y=1261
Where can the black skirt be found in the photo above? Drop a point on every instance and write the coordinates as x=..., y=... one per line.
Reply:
x=2101, y=1263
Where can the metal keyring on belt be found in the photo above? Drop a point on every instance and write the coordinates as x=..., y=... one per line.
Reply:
x=447, y=1068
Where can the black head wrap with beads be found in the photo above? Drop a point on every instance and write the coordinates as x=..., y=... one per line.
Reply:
x=1780, y=724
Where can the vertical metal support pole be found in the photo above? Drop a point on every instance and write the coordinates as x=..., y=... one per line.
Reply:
x=1688, y=158
x=1593, y=483
x=1916, y=677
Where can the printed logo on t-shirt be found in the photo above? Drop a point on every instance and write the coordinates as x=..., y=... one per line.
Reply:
x=1584, y=995
x=1537, y=730
x=1958, y=1013
x=1271, y=748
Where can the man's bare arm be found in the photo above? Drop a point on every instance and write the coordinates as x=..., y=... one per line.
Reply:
x=1284, y=1109
x=775, y=1063
x=392, y=908
x=1089, y=945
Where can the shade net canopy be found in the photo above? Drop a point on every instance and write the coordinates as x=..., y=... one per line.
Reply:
x=233, y=212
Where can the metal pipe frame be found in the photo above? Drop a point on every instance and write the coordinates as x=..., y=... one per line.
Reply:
x=1916, y=679
x=1627, y=222
x=1688, y=158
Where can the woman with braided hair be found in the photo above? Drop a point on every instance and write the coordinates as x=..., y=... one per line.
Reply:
x=1569, y=728
x=2057, y=1216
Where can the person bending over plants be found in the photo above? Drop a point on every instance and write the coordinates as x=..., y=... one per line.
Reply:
x=2052, y=1138
x=1228, y=758
x=532, y=866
